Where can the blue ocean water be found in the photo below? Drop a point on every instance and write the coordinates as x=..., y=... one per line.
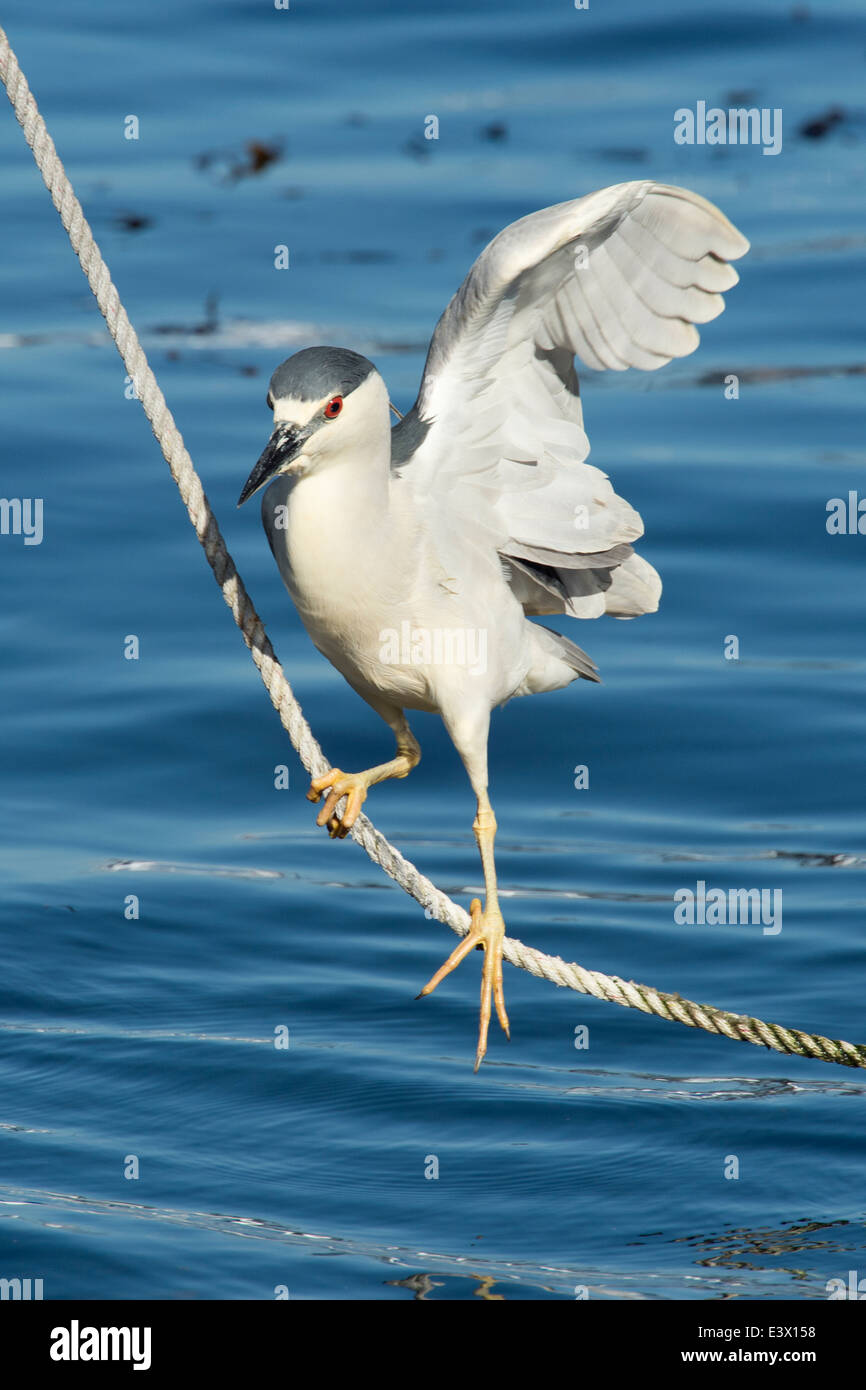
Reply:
x=153, y=1039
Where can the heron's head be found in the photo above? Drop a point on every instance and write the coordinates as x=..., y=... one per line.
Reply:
x=327, y=402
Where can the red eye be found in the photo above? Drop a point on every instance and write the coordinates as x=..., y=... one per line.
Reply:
x=334, y=406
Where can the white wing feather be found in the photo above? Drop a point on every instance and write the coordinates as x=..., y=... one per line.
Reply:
x=620, y=278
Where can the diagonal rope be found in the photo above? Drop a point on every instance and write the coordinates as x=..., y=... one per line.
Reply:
x=738, y=1027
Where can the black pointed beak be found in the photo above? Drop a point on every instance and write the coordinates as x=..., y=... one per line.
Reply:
x=285, y=444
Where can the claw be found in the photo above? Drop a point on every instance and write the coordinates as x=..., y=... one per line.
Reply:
x=487, y=930
x=352, y=786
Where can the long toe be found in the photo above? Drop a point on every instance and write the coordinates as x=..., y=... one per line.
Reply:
x=353, y=809
x=487, y=930
x=319, y=784
x=457, y=955
x=491, y=984
x=352, y=786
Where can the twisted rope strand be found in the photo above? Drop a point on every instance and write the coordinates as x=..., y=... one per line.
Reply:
x=628, y=994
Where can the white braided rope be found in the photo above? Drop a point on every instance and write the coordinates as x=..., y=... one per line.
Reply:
x=611, y=988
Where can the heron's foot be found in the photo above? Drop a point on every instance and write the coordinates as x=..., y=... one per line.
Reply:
x=487, y=931
x=352, y=785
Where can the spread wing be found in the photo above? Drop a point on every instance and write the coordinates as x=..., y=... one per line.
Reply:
x=619, y=278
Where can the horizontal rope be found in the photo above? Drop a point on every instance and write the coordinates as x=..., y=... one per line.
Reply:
x=737, y=1027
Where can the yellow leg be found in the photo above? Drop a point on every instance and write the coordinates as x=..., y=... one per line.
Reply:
x=354, y=785
x=487, y=931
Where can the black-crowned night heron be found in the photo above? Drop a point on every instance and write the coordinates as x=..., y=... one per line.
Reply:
x=416, y=555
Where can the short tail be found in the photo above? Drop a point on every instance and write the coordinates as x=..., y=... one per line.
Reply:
x=557, y=662
x=573, y=655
